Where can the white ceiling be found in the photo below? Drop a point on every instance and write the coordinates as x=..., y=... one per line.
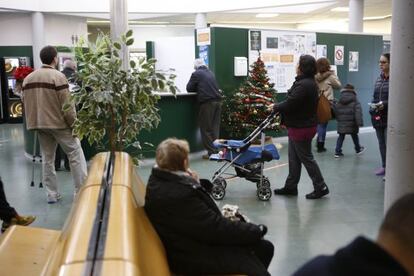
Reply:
x=218, y=11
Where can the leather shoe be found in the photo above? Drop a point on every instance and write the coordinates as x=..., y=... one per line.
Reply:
x=318, y=193
x=286, y=191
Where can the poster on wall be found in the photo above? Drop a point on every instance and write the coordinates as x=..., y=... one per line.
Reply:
x=321, y=51
x=255, y=41
x=353, y=61
x=339, y=55
x=203, y=36
x=203, y=53
x=280, y=51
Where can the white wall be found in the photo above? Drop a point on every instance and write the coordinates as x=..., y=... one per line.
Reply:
x=372, y=26
x=152, y=33
x=60, y=28
x=17, y=29
x=177, y=53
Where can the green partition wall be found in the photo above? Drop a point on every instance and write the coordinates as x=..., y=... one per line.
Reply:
x=226, y=43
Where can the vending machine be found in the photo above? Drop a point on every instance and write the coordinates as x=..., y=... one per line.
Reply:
x=11, y=104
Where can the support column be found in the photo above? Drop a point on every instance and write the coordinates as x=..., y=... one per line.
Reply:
x=119, y=26
x=38, y=37
x=400, y=144
x=356, y=16
x=201, y=21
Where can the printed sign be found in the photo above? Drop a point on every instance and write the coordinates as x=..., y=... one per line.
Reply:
x=255, y=40
x=203, y=36
x=353, y=61
x=339, y=55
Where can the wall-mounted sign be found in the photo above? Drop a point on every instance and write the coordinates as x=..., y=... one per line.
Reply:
x=353, y=61
x=321, y=51
x=339, y=55
x=203, y=37
x=255, y=41
x=203, y=53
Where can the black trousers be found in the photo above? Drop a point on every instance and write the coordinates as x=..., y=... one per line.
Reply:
x=382, y=142
x=6, y=211
x=209, y=121
x=58, y=158
x=300, y=152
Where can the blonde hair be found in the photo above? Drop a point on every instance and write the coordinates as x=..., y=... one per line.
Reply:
x=171, y=153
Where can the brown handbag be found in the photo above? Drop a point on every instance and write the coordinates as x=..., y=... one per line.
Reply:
x=323, y=111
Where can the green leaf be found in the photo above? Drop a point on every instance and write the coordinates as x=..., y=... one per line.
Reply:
x=129, y=33
x=130, y=42
x=117, y=45
x=154, y=84
x=132, y=63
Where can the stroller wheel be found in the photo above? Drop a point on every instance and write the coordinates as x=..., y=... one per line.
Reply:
x=218, y=192
x=264, y=193
x=220, y=181
x=266, y=183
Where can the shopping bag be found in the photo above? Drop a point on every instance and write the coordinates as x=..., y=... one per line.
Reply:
x=323, y=111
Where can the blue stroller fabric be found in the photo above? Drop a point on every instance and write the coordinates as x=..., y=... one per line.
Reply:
x=250, y=155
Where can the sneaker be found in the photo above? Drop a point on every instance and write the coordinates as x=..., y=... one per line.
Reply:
x=285, y=191
x=318, y=193
x=18, y=220
x=380, y=171
x=338, y=155
x=361, y=150
x=54, y=199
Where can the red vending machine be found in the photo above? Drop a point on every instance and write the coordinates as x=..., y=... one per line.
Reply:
x=11, y=104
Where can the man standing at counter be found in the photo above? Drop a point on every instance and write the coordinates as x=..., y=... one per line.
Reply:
x=204, y=83
x=45, y=91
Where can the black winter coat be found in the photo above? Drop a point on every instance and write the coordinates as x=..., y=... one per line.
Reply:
x=379, y=117
x=197, y=238
x=361, y=257
x=348, y=112
x=299, y=108
x=204, y=83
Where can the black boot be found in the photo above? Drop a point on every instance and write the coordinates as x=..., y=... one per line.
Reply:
x=321, y=147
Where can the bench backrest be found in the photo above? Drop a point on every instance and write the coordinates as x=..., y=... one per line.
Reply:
x=107, y=231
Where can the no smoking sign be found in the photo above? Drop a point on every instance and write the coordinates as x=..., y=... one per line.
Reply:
x=339, y=55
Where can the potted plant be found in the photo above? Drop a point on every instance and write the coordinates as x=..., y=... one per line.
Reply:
x=115, y=104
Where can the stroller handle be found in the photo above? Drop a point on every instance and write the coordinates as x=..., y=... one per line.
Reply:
x=262, y=126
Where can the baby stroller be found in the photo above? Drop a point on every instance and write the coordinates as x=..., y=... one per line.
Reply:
x=247, y=160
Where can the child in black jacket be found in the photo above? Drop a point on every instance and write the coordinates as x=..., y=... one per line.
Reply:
x=348, y=113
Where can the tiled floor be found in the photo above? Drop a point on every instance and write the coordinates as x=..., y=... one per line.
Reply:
x=299, y=228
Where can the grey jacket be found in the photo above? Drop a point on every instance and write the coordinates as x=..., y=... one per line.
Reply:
x=348, y=112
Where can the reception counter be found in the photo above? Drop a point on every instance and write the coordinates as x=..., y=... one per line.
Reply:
x=178, y=119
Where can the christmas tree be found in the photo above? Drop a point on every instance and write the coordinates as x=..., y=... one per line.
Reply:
x=247, y=107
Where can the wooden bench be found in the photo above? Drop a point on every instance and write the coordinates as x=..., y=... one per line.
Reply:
x=106, y=233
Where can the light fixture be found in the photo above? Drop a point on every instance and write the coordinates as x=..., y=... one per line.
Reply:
x=340, y=9
x=266, y=15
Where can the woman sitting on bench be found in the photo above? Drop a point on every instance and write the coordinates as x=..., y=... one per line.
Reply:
x=197, y=238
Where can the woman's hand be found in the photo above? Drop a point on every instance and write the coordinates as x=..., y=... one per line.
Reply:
x=270, y=107
x=193, y=174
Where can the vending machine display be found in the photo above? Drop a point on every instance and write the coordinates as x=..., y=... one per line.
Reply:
x=12, y=107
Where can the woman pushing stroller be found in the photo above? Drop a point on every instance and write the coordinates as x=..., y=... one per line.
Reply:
x=298, y=113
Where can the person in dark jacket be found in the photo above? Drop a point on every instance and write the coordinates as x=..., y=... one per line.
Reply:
x=390, y=255
x=69, y=70
x=198, y=239
x=348, y=113
x=379, y=108
x=299, y=116
x=204, y=83
x=8, y=214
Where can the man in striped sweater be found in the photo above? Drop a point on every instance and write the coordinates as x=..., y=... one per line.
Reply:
x=45, y=91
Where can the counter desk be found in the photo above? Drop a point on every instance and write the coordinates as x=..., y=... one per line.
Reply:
x=178, y=119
